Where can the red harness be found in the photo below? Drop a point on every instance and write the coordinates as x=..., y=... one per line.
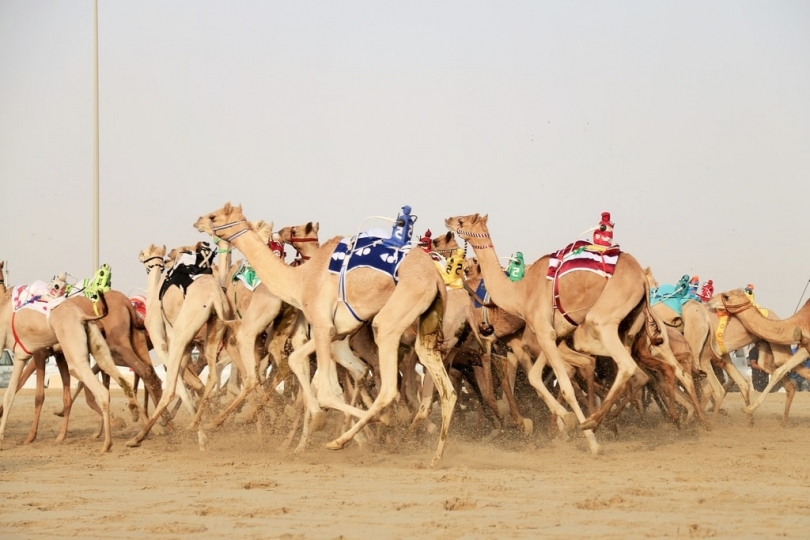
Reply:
x=16, y=337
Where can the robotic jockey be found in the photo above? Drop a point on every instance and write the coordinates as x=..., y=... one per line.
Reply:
x=603, y=235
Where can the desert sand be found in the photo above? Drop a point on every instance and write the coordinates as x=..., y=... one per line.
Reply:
x=652, y=480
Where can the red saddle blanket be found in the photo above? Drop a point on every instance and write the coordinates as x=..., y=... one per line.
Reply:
x=582, y=255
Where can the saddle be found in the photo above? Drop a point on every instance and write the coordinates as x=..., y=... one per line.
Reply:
x=189, y=267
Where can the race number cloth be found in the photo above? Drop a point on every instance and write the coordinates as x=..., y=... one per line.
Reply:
x=247, y=275
x=368, y=252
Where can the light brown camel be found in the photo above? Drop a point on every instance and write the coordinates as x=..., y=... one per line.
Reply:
x=419, y=294
x=256, y=311
x=779, y=333
x=699, y=325
x=27, y=331
x=120, y=328
x=203, y=305
x=597, y=306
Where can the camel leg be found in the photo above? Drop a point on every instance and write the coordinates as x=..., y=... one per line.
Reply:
x=790, y=393
x=586, y=336
x=8, y=398
x=39, y=398
x=67, y=398
x=389, y=325
x=213, y=338
x=179, y=356
x=26, y=374
x=797, y=359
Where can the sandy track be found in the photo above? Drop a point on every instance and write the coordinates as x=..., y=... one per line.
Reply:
x=653, y=481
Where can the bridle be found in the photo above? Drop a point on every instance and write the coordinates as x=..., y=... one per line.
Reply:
x=161, y=264
x=235, y=235
x=468, y=234
x=294, y=240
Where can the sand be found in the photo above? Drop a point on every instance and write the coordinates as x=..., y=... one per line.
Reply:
x=652, y=481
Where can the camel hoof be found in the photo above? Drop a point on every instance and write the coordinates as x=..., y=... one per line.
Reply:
x=748, y=410
x=334, y=445
x=119, y=423
x=157, y=429
x=570, y=420
x=528, y=426
x=60, y=414
x=106, y=448
x=318, y=421
x=596, y=450
x=133, y=443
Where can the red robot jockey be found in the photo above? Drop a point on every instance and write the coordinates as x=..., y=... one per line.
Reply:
x=707, y=291
x=603, y=235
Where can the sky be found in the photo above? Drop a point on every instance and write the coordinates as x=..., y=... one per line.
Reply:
x=689, y=121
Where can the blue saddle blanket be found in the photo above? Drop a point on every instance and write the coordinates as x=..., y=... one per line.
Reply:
x=672, y=296
x=368, y=252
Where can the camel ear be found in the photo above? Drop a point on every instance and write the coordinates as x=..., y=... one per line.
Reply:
x=448, y=236
x=484, y=218
x=227, y=207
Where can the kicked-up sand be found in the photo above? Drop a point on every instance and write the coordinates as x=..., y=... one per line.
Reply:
x=653, y=480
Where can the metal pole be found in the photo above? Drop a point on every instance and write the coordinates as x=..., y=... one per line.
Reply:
x=95, y=136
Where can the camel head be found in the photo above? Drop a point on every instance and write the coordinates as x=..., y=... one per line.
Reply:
x=472, y=270
x=729, y=300
x=218, y=223
x=153, y=256
x=151, y=252
x=445, y=244
x=263, y=228
x=468, y=227
x=307, y=232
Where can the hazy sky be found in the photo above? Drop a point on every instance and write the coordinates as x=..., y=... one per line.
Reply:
x=688, y=121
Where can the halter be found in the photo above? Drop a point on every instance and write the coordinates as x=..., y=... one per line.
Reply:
x=474, y=235
x=293, y=240
x=160, y=264
x=228, y=226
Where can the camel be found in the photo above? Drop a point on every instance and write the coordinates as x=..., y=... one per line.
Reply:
x=785, y=332
x=595, y=308
x=27, y=331
x=367, y=293
x=489, y=324
x=257, y=309
x=172, y=322
x=126, y=343
x=699, y=325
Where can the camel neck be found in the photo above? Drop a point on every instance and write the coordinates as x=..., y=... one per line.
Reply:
x=153, y=283
x=223, y=262
x=280, y=279
x=783, y=332
x=501, y=289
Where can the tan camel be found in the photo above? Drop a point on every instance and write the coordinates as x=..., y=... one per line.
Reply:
x=256, y=311
x=27, y=331
x=120, y=328
x=595, y=305
x=419, y=294
x=699, y=325
x=779, y=333
x=203, y=305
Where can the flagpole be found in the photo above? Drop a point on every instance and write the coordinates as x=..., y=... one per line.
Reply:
x=95, y=137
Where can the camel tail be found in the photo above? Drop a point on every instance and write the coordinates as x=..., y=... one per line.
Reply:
x=135, y=319
x=97, y=343
x=222, y=309
x=100, y=308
